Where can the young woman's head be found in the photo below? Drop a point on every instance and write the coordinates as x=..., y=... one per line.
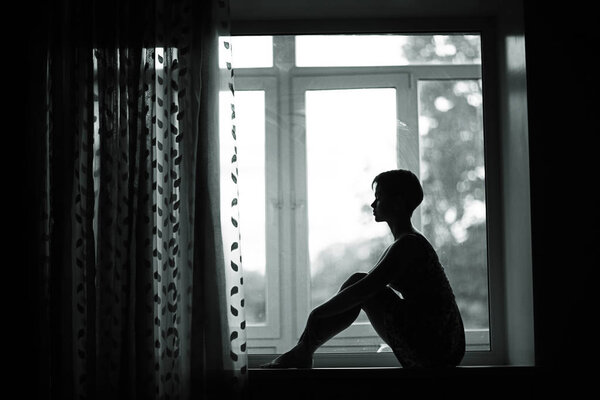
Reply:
x=397, y=194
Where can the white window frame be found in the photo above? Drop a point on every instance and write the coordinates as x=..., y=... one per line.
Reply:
x=288, y=289
x=271, y=328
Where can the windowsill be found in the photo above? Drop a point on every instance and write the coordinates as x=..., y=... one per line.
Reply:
x=383, y=360
x=395, y=372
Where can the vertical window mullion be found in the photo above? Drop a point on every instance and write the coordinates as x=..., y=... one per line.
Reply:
x=299, y=210
x=283, y=59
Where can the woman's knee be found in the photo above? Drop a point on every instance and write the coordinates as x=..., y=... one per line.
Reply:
x=357, y=276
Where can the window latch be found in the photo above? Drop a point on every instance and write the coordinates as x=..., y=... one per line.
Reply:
x=297, y=204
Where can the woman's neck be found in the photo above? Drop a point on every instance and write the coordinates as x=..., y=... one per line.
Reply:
x=400, y=227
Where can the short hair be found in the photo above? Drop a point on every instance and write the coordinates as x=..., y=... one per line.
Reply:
x=401, y=182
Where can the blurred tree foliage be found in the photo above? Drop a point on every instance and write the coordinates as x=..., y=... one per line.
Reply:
x=453, y=177
x=442, y=49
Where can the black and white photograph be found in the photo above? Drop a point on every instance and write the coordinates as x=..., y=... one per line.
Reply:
x=302, y=199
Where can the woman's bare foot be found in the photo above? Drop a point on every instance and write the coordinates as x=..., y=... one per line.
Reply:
x=294, y=358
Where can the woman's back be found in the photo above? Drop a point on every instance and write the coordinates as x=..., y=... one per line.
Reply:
x=422, y=279
x=427, y=319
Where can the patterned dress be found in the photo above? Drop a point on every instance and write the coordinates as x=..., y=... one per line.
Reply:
x=424, y=328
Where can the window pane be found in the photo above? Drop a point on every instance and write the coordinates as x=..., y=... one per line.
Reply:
x=453, y=212
x=386, y=50
x=250, y=134
x=246, y=51
x=350, y=138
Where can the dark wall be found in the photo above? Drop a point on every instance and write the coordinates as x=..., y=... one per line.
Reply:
x=24, y=87
x=563, y=130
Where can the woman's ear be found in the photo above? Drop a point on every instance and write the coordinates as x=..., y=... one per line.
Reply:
x=400, y=204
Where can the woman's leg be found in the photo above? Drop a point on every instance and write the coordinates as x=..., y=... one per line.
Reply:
x=387, y=314
x=316, y=333
x=320, y=331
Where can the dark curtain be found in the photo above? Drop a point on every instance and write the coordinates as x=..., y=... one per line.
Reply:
x=131, y=286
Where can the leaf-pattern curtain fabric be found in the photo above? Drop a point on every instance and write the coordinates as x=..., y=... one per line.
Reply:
x=141, y=297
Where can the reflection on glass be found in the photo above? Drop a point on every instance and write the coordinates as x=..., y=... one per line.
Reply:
x=453, y=212
x=386, y=50
x=350, y=138
x=250, y=134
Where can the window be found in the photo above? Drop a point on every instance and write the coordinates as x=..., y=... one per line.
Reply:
x=317, y=117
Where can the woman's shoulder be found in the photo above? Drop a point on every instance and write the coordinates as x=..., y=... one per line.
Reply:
x=413, y=238
x=414, y=243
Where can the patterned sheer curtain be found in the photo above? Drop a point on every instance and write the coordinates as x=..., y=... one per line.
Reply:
x=141, y=288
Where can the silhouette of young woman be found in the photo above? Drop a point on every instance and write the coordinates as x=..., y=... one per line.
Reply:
x=423, y=327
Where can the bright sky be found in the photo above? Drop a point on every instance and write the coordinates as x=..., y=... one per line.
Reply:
x=351, y=137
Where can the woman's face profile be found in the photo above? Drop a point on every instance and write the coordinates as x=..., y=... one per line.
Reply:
x=386, y=207
x=382, y=206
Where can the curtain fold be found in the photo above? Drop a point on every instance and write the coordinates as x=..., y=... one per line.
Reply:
x=140, y=297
